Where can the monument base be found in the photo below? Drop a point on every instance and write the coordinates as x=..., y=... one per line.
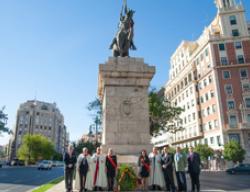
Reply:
x=127, y=150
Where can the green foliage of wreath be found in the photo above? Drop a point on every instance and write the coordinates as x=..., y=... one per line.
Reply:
x=126, y=178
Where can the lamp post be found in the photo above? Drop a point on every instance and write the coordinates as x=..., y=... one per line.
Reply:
x=96, y=130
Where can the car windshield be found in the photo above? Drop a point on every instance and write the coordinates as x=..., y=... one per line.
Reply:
x=45, y=162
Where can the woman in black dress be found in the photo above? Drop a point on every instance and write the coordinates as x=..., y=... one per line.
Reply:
x=144, y=168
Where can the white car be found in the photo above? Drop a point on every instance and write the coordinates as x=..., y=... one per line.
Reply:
x=45, y=164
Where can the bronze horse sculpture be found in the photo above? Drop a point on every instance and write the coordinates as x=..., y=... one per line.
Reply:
x=123, y=40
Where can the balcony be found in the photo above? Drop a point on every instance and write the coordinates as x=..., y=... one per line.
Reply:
x=245, y=125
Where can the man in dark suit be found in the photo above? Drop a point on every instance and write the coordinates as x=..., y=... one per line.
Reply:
x=194, y=164
x=83, y=168
x=167, y=160
x=111, y=164
x=69, y=159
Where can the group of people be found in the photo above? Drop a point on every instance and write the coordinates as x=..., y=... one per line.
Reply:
x=168, y=171
x=156, y=171
x=95, y=172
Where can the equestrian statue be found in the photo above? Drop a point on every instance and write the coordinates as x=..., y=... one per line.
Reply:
x=123, y=40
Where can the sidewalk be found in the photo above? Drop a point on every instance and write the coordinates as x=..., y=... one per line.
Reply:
x=60, y=187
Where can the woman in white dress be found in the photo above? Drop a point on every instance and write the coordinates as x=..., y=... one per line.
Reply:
x=156, y=179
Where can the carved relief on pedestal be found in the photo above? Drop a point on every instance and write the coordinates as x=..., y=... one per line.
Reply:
x=126, y=107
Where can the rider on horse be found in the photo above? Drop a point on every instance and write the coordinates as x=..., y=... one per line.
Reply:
x=124, y=37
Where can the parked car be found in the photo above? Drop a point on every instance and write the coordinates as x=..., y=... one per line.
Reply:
x=241, y=168
x=45, y=164
x=17, y=162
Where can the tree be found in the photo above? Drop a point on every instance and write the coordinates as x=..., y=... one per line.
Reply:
x=234, y=152
x=3, y=122
x=80, y=145
x=58, y=156
x=162, y=115
x=95, y=107
x=34, y=148
x=204, y=150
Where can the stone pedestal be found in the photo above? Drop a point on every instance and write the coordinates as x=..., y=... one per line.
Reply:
x=123, y=89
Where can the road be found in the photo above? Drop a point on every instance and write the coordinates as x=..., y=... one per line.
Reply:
x=22, y=179
x=221, y=181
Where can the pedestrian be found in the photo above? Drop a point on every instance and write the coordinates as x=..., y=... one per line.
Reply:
x=156, y=179
x=100, y=176
x=111, y=165
x=180, y=161
x=69, y=159
x=167, y=161
x=144, y=169
x=84, y=179
x=194, y=164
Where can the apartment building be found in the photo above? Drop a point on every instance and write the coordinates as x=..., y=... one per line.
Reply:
x=209, y=79
x=37, y=117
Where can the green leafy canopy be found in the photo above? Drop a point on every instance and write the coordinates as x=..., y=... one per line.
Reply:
x=35, y=147
x=162, y=115
x=234, y=152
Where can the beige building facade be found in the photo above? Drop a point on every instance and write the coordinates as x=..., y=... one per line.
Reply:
x=209, y=79
x=37, y=117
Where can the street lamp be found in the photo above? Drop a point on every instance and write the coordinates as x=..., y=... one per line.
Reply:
x=96, y=130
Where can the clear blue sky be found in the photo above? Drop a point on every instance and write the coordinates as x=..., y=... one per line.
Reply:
x=51, y=48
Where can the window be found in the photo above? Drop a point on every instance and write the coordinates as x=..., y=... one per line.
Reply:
x=210, y=125
x=206, y=52
x=194, y=116
x=200, y=86
x=232, y=19
x=246, y=86
x=212, y=140
x=212, y=94
x=235, y=33
x=205, y=82
x=223, y=61
x=208, y=111
x=218, y=141
x=228, y=89
x=238, y=45
x=243, y=73
x=248, y=118
x=247, y=102
x=230, y=105
x=214, y=108
x=232, y=120
x=201, y=99
x=240, y=59
x=189, y=77
x=192, y=102
x=210, y=80
x=206, y=96
x=205, y=141
x=226, y=74
x=222, y=47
